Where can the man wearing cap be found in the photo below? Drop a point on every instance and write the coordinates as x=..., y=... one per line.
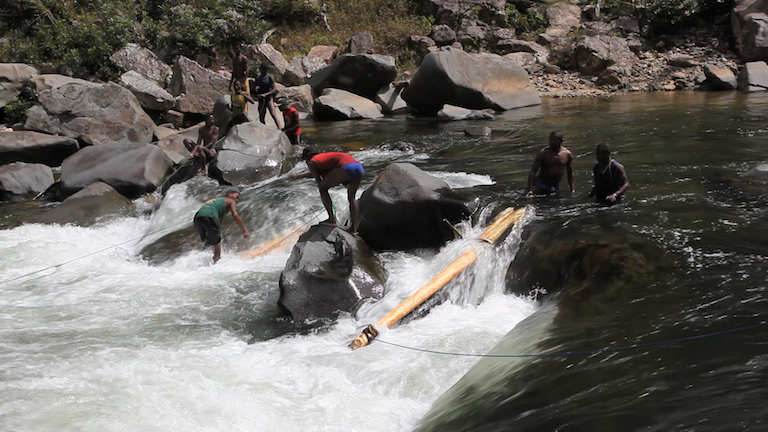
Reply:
x=331, y=169
x=208, y=219
x=291, y=121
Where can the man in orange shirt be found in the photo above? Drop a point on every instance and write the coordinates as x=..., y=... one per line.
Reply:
x=331, y=169
x=291, y=121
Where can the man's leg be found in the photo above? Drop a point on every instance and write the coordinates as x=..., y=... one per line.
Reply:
x=336, y=177
x=263, y=110
x=273, y=112
x=351, y=193
x=217, y=253
x=189, y=144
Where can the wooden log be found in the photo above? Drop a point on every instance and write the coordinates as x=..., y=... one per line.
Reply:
x=280, y=243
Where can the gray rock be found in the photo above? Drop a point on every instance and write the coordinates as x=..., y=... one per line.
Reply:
x=267, y=54
x=720, y=78
x=324, y=52
x=99, y=110
x=52, y=81
x=749, y=20
x=563, y=16
x=329, y=271
x=361, y=43
x=454, y=113
x=596, y=53
x=423, y=45
x=173, y=144
x=473, y=32
x=133, y=57
x=92, y=204
x=474, y=81
x=754, y=77
x=522, y=58
x=13, y=77
x=759, y=173
x=390, y=101
x=149, y=94
x=35, y=147
x=362, y=74
x=300, y=69
x=174, y=117
x=19, y=180
x=251, y=152
x=336, y=104
x=683, y=61
x=515, y=45
x=405, y=207
x=299, y=97
x=442, y=35
x=163, y=131
x=196, y=87
x=133, y=169
x=483, y=131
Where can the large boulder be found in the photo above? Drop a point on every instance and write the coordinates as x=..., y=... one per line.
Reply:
x=442, y=34
x=196, y=87
x=405, y=209
x=749, y=20
x=324, y=52
x=250, y=152
x=95, y=202
x=754, y=77
x=720, y=78
x=267, y=54
x=13, y=77
x=329, y=271
x=362, y=74
x=475, y=81
x=563, y=16
x=336, y=104
x=299, y=97
x=35, y=147
x=361, y=43
x=473, y=33
x=300, y=69
x=105, y=110
x=150, y=95
x=19, y=180
x=594, y=54
x=173, y=144
x=133, y=57
x=132, y=169
x=52, y=81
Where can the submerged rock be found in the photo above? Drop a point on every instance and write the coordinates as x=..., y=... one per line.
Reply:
x=88, y=206
x=329, y=271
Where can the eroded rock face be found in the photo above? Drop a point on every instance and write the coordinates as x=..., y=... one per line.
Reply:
x=474, y=81
x=749, y=20
x=196, y=87
x=250, y=152
x=149, y=94
x=594, y=54
x=336, y=104
x=99, y=110
x=52, y=81
x=19, y=180
x=13, y=77
x=362, y=74
x=405, y=207
x=329, y=271
x=95, y=202
x=133, y=57
x=132, y=169
x=35, y=147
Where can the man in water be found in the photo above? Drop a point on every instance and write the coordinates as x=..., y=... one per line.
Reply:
x=239, y=68
x=203, y=151
x=552, y=161
x=208, y=219
x=265, y=91
x=610, y=178
x=329, y=170
x=291, y=121
x=239, y=106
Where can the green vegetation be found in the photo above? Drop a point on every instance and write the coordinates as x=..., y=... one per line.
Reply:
x=15, y=111
x=527, y=24
x=666, y=14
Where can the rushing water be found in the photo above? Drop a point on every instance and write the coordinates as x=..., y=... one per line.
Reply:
x=110, y=342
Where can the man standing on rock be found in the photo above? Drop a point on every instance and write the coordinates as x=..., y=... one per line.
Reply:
x=239, y=106
x=553, y=161
x=329, y=170
x=610, y=178
x=208, y=219
x=291, y=121
x=202, y=152
x=265, y=91
x=239, y=68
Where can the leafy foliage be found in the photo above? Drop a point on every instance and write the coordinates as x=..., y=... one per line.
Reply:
x=527, y=24
x=15, y=111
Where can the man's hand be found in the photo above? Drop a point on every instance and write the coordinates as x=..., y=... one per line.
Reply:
x=612, y=197
x=245, y=234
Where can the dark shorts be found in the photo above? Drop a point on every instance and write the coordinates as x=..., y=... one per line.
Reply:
x=295, y=139
x=541, y=188
x=208, y=230
x=354, y=170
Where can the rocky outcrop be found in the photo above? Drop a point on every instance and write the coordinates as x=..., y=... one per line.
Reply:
x=99, y=110
x=594, y=54
x=720, y=78
x=133, y=57
x=35, y=147
x=267, y=54
x=132, y=169
x=472, y=32
x=300, y=69
x=173, y=144
x=324, y=52
x=329, y=271
x=19, y=180
x=299, y=97
x=405, y=207
x=92, y=204
x=196, y=87
x=361, y=43
x=13, y=77
x=749, y=20
x=474, y=81
x=362, y=74
x=754, y=77
x=336, y=104
x=442, y=34
x=250, y=152
x=52, y=81
x=390, y=101
x=150, y=95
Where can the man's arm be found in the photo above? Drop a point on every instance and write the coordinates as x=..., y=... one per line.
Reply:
x=624, y=185
x=294, y=118
x=233, y=208
x=534, y=170
x=272, y=88
x=248, y=98
x=569, y=171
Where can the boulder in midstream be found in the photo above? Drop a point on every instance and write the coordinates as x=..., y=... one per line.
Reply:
x=94, y=203
x=250, y=152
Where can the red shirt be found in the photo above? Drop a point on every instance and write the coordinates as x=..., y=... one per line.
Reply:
x=293, y=115
x=328, y=161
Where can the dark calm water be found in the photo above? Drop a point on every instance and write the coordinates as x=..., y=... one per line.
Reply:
x=113, y=343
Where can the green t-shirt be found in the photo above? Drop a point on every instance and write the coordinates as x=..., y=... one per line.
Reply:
x=214, y=209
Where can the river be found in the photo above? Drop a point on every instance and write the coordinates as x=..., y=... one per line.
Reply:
x=108, y=341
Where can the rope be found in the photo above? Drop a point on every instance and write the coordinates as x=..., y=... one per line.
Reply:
x=570, y=353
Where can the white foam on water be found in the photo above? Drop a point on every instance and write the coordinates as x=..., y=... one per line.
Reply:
x=463, y=180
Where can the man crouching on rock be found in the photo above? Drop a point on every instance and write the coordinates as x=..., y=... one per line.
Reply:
x=202, y=151
x=208, y=219
x=331, y=169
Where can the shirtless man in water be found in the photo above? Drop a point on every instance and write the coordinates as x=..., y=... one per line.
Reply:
x=552, y=160
x=239, y=68
x=203, y=150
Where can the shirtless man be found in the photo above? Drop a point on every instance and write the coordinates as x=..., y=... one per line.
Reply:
x=203, y=150
x=239, y=68
x=552, y=160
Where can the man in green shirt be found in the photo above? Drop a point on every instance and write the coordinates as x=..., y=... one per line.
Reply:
x=208, y=219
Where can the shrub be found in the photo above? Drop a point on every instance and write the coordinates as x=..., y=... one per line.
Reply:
x=528, y=24
x=15, y=111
